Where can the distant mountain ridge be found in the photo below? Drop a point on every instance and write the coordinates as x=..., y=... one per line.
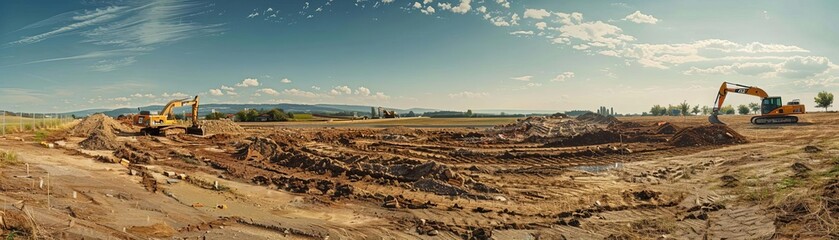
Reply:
x=205, y=109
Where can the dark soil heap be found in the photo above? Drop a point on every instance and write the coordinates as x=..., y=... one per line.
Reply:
x=707, y=135
x=666, y=128
x=101, y=139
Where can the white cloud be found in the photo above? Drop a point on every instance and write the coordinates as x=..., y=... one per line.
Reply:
x=252, y=15
x=503, y=3
x=138, y=95
x=665, y=55
x=285, y=80
x=227, y=88
x=417, y=5
x=541, y=25
x=581, y=46
x=268, y=91
x=178, y=95
x=638, y=17
x=444, y=6
x=482, y=9
x=597, y=33
x=427, y=1
x=387, y=1
x=523, y=78
x=521, y=33
x=463, y=7
x=468, y=94
x=499, y=21
x=316, y=88
x=89, y=19
x=121, y=99
x=110, y=65
x=216, y=92
x=300, y=93
x=428, y=11
x=248, y=82
x=563, y=76
x=231, y=93
x=534, y=84
x=536, y=13
x=362, y=91
x=340, y=90
x=796, y=67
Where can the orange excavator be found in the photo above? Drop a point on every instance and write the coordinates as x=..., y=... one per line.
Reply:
x=163, y=122
x=772, y=110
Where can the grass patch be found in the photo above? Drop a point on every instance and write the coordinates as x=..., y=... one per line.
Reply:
x=41, y=135
x=303, y=116
x=788, y=182
x=9, y=158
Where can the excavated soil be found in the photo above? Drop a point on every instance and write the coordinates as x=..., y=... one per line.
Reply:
x=96, y=122
x=707, y=135
x=101, y=139
x=220, y=126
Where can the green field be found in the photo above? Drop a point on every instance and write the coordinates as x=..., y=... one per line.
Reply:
x=15, y=124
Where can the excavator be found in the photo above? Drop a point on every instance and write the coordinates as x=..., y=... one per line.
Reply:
x=161, y=123
x=772, y=110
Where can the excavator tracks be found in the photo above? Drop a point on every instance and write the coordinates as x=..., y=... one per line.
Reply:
x=760, y=120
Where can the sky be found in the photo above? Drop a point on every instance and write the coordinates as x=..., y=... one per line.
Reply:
x=58, y=56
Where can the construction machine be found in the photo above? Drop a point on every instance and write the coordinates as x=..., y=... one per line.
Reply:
x=772, y=110
x=159, y=124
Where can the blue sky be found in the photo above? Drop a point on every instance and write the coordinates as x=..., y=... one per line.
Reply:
x=449, y=54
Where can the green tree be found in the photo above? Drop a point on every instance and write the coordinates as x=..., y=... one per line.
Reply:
x=824, y=99
x=277, y=114
x=727, y=110
x=695, y=110
x=469, y=113
x=743, y=109
x=754, y=107
x=705, y=110
x=214, y=116
x=411, y=114
x=684, y=108
x=658, y=110
x=372, y=112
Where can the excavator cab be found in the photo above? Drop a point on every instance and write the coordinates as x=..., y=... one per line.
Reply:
x=769, y=104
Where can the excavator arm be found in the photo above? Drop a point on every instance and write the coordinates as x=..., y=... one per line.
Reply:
x=734, y=88
x=167, y=110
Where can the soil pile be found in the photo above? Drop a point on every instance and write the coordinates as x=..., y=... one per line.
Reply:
x=538, y=129
x=220, y=126
x=589, y=138
x=706, y=136
x=98, y=121
x=666, y=128
x=101, y=139
x=258, y=149
x=597, y=118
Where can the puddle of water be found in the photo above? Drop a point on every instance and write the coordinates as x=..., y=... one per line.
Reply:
x=599, y=168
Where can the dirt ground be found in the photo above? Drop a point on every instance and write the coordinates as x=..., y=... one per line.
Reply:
x=592, y=177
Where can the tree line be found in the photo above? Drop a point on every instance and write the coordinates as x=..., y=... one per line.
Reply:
x=253, y=115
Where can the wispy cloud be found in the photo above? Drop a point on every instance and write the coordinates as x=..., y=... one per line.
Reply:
x=127, y=30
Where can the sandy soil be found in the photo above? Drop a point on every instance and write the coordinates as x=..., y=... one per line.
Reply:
x=526, y=180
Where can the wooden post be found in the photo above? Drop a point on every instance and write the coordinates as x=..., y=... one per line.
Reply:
x=48, y=191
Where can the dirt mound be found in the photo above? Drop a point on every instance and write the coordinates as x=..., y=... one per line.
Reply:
x=706, y=136
x=220, y=126
x=101, y=139
x=666, y=128
x=590, y=138
x=157, y=230
x=259, y=149
x=98, y=121
x=597, y=118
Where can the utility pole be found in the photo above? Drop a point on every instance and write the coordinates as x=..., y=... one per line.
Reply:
x=4, y=122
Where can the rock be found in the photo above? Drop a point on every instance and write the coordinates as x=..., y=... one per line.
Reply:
x=172, y=181
x=812, y=149
x=574, y=222
x=500, y=198
x=169, y=174
x=729, y=181
x=391, y=202
x=800, y=168
x=433, y=232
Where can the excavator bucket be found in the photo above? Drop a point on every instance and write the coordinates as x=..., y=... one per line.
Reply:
x=195, y=131
x=714, y=119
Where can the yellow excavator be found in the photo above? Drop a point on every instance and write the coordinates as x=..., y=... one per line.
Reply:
x=772, y=110
x=163, y=122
